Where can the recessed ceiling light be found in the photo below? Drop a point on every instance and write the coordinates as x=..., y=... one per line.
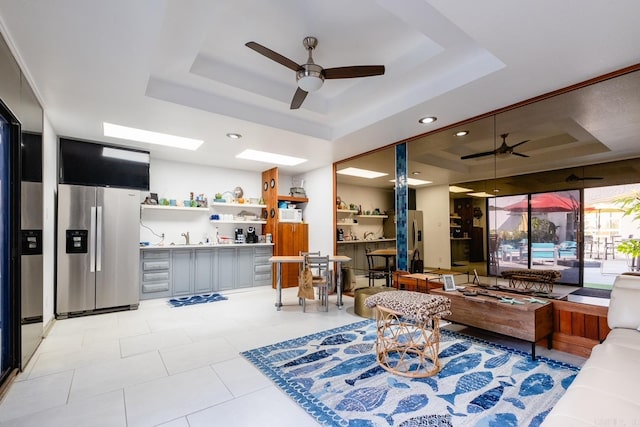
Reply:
x=427, y=120
x=462, y=133
x=456, y=189
x=263, y=156
x=234, y=135
x=361, y=173
x=140, y=135
x=413, y=181
x=415, y=173
x=480, y=194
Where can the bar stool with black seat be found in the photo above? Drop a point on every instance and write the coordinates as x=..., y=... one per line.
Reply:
x=375, y=271
x=317, y=270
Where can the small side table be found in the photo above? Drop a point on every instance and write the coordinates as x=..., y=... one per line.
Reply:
x=408, y=331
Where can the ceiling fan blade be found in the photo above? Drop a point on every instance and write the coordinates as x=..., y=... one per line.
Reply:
x=473, y=156
x=519, y=154
x=520, y=143
x=274, y=56
x=353, y=71
x=574, y=178
x=298, y=98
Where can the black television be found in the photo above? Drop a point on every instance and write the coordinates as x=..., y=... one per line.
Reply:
x=101, y=165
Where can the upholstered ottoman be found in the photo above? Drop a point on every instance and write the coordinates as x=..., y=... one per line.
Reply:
x=361, y=294
x=408, y=335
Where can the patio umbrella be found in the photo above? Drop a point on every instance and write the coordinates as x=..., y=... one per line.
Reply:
x=545, y=202
x=600, y=208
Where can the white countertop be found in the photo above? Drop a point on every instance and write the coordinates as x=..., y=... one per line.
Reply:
x=366, y=241
x=205, y=246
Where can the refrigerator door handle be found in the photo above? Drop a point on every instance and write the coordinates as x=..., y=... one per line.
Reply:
x=92, y=241
x=99, y=240
x=413, y=233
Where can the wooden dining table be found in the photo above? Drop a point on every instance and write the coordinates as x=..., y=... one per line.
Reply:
x=278, y=260
x=388, y=254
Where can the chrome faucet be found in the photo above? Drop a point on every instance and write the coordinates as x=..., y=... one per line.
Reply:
x=186, y=237
x=367, y=234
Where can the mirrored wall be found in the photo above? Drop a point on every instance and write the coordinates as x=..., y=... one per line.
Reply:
x=19, y=98
x=570, y=149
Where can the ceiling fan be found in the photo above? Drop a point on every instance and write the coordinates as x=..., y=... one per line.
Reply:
x=503, y=149
x=310, y=75
x=575, y=178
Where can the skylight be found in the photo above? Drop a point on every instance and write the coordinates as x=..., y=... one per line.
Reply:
x=361, y=173
x=263, y=156
x=413, y=181
x=141, y=135
x=456, y=189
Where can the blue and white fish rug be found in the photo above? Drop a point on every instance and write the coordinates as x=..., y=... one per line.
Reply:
x=335, y=377
x=196, y=299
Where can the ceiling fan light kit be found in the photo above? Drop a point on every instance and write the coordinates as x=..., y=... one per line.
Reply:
x=310, y=76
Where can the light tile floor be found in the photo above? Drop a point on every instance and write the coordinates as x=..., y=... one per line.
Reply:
x=177, y=367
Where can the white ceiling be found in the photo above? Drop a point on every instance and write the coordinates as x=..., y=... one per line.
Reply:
x=181, y=67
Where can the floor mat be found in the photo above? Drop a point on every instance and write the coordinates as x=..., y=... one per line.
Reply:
x=196, y=299
x=590, y=292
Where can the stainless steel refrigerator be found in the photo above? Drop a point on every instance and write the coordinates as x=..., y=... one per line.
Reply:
x=414, y=232
x=98, y=249
x=31, y=252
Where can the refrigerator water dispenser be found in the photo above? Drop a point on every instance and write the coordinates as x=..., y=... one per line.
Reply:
x=77, y=241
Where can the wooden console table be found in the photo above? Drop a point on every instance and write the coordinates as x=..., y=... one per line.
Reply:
x=424, y=282
x=529, y=321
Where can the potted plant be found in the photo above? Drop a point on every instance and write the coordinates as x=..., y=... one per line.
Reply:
x=631, y=247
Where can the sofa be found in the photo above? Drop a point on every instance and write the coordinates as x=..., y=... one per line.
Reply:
x=606, y=392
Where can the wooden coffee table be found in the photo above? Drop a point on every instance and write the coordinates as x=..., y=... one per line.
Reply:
x=530, y=321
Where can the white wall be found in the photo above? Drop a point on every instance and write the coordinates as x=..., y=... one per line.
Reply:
x=437, y=245
x=174, y=180
x=49, y=175
x=368, y=198
x=318, y=213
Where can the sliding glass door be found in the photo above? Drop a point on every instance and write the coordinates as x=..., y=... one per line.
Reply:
x=608, y=232
x=4, y=247
x=536, y=231
x=9, y=261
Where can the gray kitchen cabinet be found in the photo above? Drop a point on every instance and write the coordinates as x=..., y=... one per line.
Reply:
x=225, y=269
x=349, y=250
x=357, y=252
x=204, y=261
x=182, y=272
x=179, y=271
x=261, y=266
x=155, y=272
x=361, y=257
x=244, y=267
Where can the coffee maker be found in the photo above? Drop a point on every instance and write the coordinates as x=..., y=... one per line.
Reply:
x=252, y=237
x=239, y=236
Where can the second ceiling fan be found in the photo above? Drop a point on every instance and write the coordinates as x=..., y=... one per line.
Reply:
x=503, y=149
x=310, y=75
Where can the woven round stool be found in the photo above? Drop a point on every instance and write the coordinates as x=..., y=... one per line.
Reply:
x=361, y=294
